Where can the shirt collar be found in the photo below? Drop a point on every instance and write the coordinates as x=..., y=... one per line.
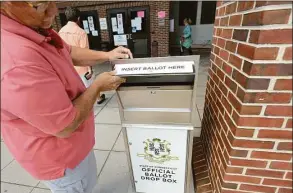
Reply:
x=17, y=28
x=72, y=23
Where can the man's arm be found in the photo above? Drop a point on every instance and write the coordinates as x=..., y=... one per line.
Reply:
x=87, y=57
x=33, y=104
x=85, y=102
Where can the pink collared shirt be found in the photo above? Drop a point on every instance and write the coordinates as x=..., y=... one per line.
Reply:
x=73, y=35
x=38, y=85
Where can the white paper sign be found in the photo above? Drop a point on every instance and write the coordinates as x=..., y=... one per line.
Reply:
x=138, y=23
x=120, y=24
x=171, y=25
x=120, y=40
x=91, y=23
x=85, y=24
x=155, y=68
x=103, y=24
x=120, y=30
x=114, y=24
x=138, y=19
x=158, y=158
x=87, y=31
x=95, y=33
x=133, y=24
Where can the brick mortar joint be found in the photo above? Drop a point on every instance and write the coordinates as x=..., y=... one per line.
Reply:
x=268, y=45
x=259, y=9
x=257, y=77
x=256, y=128
x=257, y=61
x=250, y=91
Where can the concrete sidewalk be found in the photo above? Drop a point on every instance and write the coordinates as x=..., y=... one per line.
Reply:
x=113, y=175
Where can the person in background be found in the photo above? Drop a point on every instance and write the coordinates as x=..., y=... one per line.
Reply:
x=186, y=40
x=47, y=118
x=74, y=35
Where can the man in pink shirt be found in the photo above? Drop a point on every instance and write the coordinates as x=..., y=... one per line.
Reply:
x=47, y=120
x=73, y=35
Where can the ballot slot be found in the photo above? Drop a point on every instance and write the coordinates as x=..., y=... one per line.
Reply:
x=159, y=80
x=156, y=96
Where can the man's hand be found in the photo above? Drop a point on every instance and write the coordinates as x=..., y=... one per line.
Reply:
x=120, y=53
x=108, y=81
x=86, y=57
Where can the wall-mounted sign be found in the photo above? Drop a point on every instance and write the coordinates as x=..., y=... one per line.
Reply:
x=136, y=24
x=155, y=68
x=158, y=158
x=95, y=33
x=161, y=22
x=114, y=24
x=140, y=14
x=171, y=25
x=91, y=23
x=120, y=24
x=86, y=26
x=161, y=14
x=120, y=40
x=103, y=24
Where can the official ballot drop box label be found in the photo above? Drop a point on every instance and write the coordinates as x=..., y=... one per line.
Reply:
x=158, y=158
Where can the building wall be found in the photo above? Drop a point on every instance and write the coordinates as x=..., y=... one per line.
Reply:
x=158, y=33
x=247, y=122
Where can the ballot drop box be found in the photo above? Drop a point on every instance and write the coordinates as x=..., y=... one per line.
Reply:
x=157, y=110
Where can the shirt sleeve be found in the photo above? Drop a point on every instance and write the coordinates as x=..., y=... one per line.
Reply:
x=37, y=96
x=84, y=42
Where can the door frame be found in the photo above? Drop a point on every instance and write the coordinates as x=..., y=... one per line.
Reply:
x=127, y=10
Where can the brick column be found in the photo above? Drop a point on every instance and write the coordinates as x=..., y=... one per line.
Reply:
x=247, y=123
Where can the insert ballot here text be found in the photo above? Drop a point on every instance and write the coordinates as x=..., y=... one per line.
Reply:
x=171, y=67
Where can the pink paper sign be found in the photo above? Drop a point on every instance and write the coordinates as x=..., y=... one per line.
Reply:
x=140, y=14
x=161, y=14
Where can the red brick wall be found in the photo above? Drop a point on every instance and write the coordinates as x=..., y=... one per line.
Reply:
x=247, y=123
x=158, y=33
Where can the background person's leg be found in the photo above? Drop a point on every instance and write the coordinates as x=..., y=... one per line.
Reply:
x=86, y=82
x=190, y=51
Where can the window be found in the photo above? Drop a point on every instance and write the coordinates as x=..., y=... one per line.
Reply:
x=208, y=12
x=187, y=9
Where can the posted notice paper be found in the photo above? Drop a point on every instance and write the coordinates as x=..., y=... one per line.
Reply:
x=85, y=24
x=103, y=24
x=95, y=33
x=136, y=23
x=120, y=40
x=114, y=24
x=91, y=23
x=120, y=24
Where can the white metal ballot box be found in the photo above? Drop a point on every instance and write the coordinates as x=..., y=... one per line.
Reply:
x=157, y=107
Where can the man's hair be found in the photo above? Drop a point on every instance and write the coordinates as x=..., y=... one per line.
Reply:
x=72, y=14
